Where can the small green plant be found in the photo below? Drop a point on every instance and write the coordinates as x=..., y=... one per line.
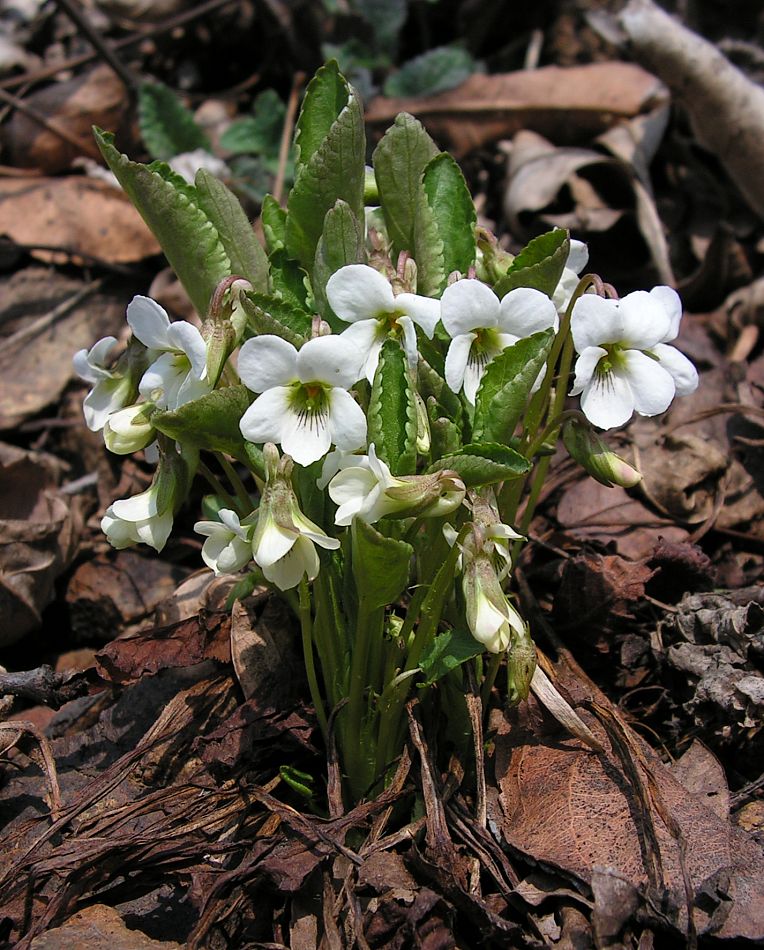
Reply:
x=373, y=399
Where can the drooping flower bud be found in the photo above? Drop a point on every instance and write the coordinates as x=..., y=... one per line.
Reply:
x=592, y=454
x=492, y=619
x=130, y=429
x=521, y=664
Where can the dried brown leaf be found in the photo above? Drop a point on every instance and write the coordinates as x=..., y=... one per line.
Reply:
x=263, y=639
x=571, y=103
x=79, y=216
x=595, y=586
x=97, y=927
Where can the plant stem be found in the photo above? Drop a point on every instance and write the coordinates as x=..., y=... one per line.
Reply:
x=359, y=757
x=306, y=625
x=490, y=679
x=238, y=486
x=217, y=487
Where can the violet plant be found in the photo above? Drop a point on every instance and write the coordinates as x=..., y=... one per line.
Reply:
x=373, y=398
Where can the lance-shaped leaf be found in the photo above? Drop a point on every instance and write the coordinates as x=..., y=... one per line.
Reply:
x=505, y=386
x=380, y=565
x=392, y=411
x=431, y=383
x=267, y=314
x=447, y=651
x=453, y=210
x=211, y=422
x=399, y=161
x=273, y=217
x=334, y=168
x=445, y=435
x=325, y=97
x=484, y=463
x=168, y=128
x=288, y=279
x=341, y=243
x=237, y=236
x=187, y=236
x=539, y=265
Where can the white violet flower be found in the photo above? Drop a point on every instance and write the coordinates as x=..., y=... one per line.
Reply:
x=362, y=297
x=492, y=619
x=129, y=430
x=304, y=403
x=481, y=327
x=111, y=390
x=365, y=487
x=138, y=520
x=624, y=363
x=228, y=547
x=179, y=374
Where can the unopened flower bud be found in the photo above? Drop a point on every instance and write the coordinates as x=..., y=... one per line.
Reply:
x=521, y=664
x=220, y=337
x=592, y=454
x=492, y=620
x=130, y=429
x=492, y=262
x=422, y=425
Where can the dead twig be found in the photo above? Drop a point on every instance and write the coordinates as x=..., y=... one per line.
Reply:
x=44, y=685
x=286, y=135
x=82, y=146
x=103, y=49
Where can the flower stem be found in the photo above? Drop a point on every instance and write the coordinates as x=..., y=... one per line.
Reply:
x=490, y=679
x=217, y=487
x=359, y=750
x=238, y=486
x=306, y=625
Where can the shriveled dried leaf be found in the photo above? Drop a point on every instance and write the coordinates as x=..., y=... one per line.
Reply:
x=263, y=639
x=38, y=537
x=74, y=106
x=595, y=586
x=568, y=808
x=79, y=216
x=117, y=589
x=702, y=774
x=571, y=103
x=182, y=644
x=96, y=927
x=48, y=317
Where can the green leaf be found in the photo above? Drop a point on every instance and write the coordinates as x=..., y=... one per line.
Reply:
x=431, y=383
x=380, y=565
x=237, y=236
x=341, y=243
x=444, y=67
x=267, y=314
x=167, y=126
x=386, y=18
x=506, y=384
x=259, y=133
x=454, y=212
x=211, y=422
x=445, y=436
x=392, y=411
x=539, y=265
x=447, y=651
x=188, y=238
x=325, y=98
x=399, y=163
x=484, y=464
x=274, y=218
x=335, y=170
x=288, y=279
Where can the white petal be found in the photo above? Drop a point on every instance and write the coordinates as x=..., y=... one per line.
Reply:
x=424, y=311
x=467, y=305
x=338, y=461
x=230, y=519
x=488, y=622
x=149, y=323
x=155, y=531
x=311, y=530
x=140, y=507
x=684, y=373
x=234, y=556
x=671, y=302
x=585, y=366
x=83, y=368
x=120, y=534
x=409, y=341
x=162, y=380
x=366, y=336
x=104, y=398
x=358, y=292
x=645, y=320
x=472, y=379
x=186, y=337
x=330, y=359
x=289, y=571
x=306, y=436
x=525, y=311
x=212, y=549
x=607, y=400
x=347, y=422
x=272, y=543
x=264, y=420
x=351, y=483
x=190, y=389
x=595, y=321
x=457, y=358
x=652, y=385
x=577, y=256
x=212, y=529
x=267, y=361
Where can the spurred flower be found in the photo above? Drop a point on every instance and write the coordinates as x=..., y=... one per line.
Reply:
x=228, y=547
x=624, y=364
x=305, y=404
x=362, y=297
x=481, y=327
x=112, y=389
x=179, y=374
